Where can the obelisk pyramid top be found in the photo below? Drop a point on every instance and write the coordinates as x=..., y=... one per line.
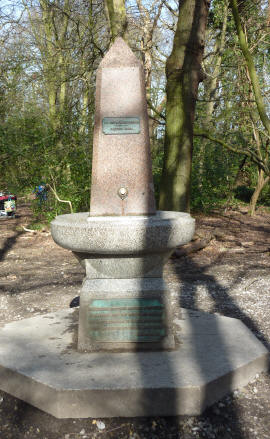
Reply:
x=119, y=55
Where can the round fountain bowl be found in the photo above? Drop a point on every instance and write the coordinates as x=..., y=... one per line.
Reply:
x=123, y=246
x=123, y=235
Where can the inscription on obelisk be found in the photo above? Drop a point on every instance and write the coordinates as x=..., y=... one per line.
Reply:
x=122, y=182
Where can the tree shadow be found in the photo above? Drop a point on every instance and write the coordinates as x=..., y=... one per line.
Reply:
x=8, y=244
x=223, y=304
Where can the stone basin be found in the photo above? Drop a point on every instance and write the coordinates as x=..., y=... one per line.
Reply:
x=123, y=235
x=123, y=246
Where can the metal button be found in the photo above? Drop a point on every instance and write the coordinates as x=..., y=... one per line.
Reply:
x=122, y=192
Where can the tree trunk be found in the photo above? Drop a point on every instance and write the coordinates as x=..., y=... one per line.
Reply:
x=149, y=24
x=116, y=14
x=255, y=196
x=49, y=59
x=237, y=180
x=211, y=88
x=183, y=71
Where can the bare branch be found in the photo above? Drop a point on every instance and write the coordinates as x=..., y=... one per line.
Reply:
x=58, y=199
x=252, y=154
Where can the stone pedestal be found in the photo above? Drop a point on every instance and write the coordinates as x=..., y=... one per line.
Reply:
x=124, y=303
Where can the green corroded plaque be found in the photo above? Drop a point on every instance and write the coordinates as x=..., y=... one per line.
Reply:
x=126, y=303
x=126, y=320
x=121, y=125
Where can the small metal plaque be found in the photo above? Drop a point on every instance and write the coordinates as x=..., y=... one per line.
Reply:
x=126, y=320
x=121, y=125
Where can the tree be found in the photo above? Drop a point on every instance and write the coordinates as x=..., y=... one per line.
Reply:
x=240, y=123
x=184, y=73
x=117, y=18
x=261, y=108
x=212, y=68
x=148, y=24
x=61, y=44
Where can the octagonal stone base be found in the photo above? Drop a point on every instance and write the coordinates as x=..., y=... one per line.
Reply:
x=39, y=364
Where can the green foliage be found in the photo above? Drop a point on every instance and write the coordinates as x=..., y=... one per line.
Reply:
x=29, y=155
x=243, y=193
x=265, y=196
x=211, y=182
x=47, y=101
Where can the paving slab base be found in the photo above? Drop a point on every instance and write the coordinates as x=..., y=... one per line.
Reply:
x=39, y=364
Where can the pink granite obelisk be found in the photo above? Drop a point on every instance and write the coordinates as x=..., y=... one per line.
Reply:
x=122, y=182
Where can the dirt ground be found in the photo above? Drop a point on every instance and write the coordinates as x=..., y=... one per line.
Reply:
x=229, y=276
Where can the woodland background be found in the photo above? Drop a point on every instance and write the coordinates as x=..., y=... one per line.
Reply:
x=207, y=72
